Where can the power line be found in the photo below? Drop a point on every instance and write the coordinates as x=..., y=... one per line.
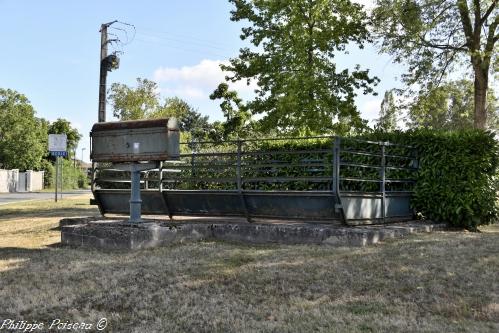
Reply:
x=185, y=36
x=169, y=45
x=125, y=31
x=191, y=43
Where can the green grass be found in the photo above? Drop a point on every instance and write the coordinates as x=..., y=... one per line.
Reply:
x=440, y=282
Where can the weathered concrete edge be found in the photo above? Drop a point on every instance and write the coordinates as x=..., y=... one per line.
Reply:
x=116, y=235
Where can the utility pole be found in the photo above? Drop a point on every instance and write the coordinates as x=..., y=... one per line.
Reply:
x=104, y=68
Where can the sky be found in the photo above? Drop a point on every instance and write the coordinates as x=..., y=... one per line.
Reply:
x=50, y=53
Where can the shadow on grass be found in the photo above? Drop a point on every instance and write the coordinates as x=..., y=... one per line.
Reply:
x=49, y=212
x=7, y=253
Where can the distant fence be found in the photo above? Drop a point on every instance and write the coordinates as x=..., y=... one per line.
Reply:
x=15, y=181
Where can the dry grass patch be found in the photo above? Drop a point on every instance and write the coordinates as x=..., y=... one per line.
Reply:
x=441, y=282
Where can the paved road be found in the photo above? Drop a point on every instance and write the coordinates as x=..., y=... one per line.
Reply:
x=6, y=198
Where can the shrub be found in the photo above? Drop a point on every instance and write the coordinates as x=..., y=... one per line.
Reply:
x=74, y=178
x=49, y=170
x=457, y=181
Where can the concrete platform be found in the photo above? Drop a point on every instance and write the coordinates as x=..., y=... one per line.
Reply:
x=119, y=234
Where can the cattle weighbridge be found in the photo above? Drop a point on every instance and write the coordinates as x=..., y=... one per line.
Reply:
x=319, y=182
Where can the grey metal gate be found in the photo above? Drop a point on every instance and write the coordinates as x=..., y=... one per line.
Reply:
x=314, y=179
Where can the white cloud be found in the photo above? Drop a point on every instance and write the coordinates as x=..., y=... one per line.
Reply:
x=196, y=81
x=206, y=73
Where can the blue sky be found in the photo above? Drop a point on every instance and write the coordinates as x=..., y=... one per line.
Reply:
x=50, y=53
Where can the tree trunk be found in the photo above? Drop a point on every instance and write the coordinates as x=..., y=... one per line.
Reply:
x=480, y=90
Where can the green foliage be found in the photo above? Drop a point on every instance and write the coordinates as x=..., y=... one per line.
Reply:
x=49, y=174
x=23, y=137
x=63, y=126
x=300, y=90
x=435, y=38
x=450, y=106
x=457, y=181
x=73, y=178
x=238, y=124
x=189, y=119
x=428, y=35
x=143, y=102
x=387, y=120
x=134, y=103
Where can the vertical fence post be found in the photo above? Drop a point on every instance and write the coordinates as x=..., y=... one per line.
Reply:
x=336, y=165
x=160, y=176
x=336, y=179
x=239, y=180
x=92, y=181
x=238, y=167
x=193, y=173
x=164, y=193
x=382, y=183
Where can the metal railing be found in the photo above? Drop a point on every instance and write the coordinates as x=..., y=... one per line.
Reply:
x=307, y=178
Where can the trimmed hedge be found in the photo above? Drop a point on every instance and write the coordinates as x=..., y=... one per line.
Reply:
x=457, y=181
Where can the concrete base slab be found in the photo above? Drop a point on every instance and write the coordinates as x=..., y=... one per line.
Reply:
x=120, y=234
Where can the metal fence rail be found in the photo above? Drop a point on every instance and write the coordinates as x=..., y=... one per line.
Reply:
x=323, y=179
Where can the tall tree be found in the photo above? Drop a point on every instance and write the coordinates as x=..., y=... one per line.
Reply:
x=237, y=124
x=450, y=106
x=134, y=103
x=189, y=119
x=63, y=126
x=23, y=136
x=299, y=87
x=388, y=113
x=433, y=36
x=144, y=102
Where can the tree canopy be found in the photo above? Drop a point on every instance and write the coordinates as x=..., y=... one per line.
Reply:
x=299, y=87
x=189, y=119
x=23, y=136
x=134, y=103
x=388, y=113
x=63, y=126
x=144, y=102
x=450, y=106
x=436, y=37
x=238, y=123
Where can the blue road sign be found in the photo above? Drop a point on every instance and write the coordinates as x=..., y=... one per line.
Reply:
x=59, y=153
